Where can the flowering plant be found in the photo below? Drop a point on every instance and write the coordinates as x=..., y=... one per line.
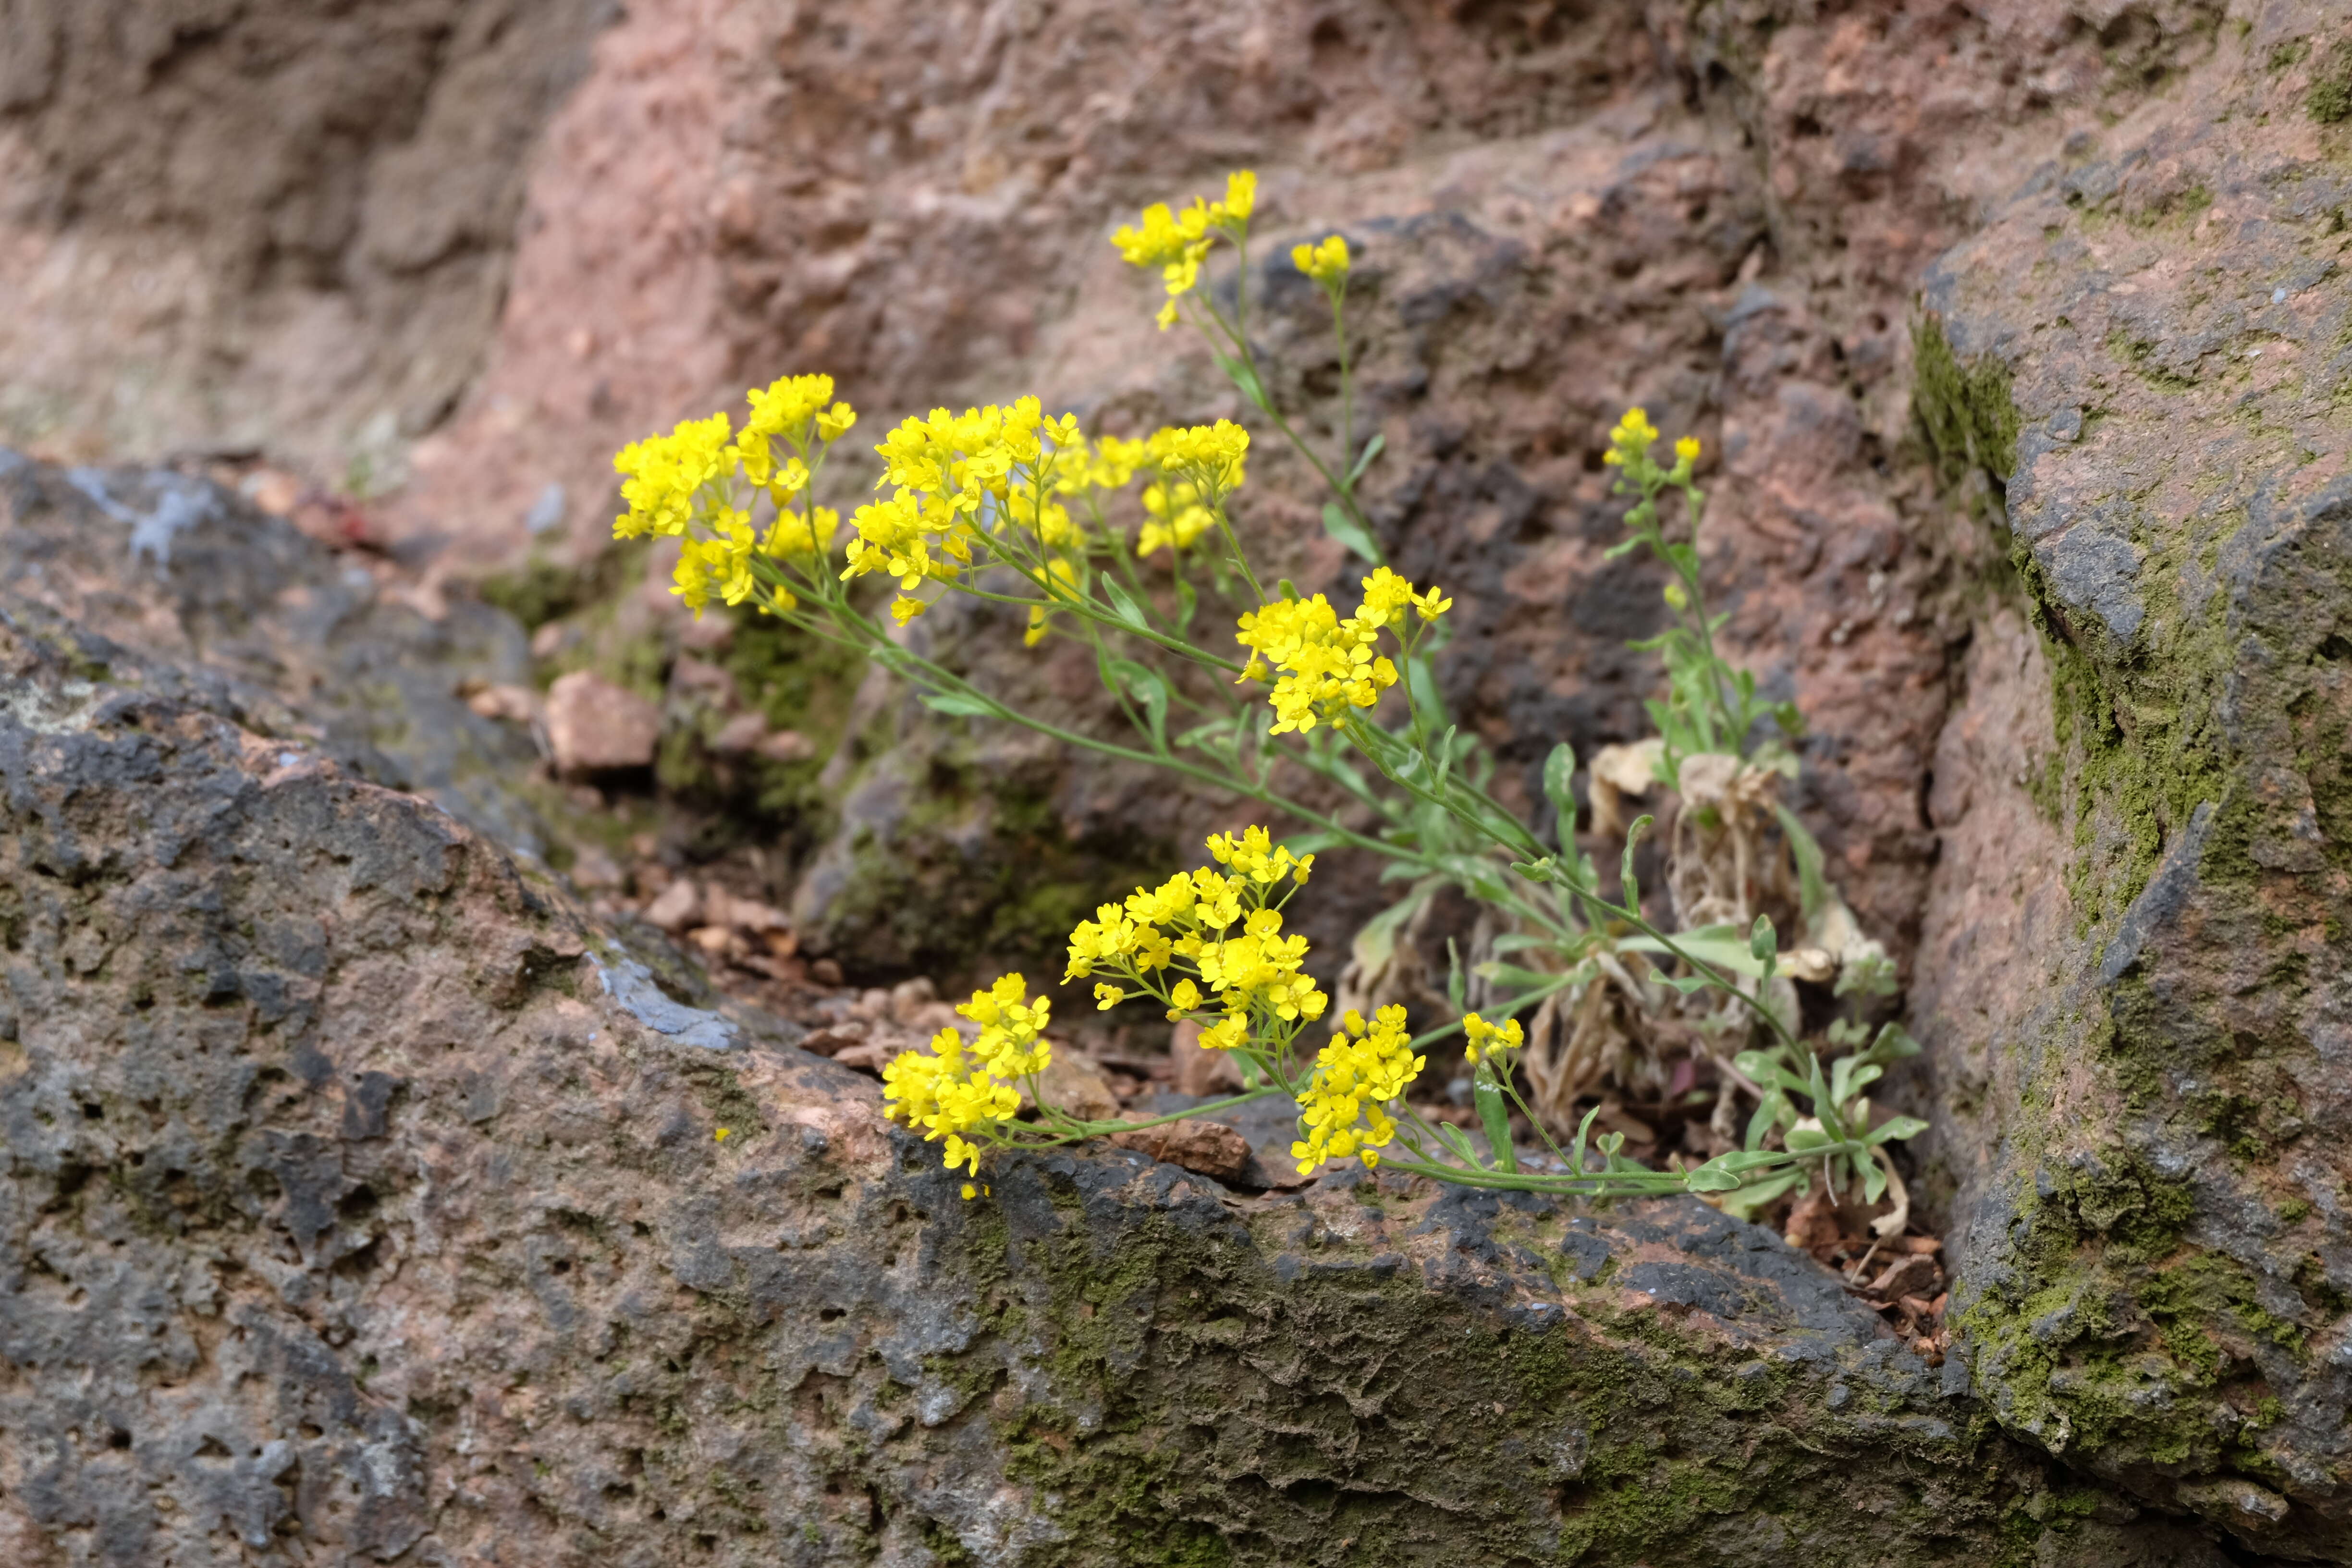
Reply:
x=1303, y=707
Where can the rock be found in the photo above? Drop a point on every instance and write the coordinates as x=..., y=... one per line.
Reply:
x=298, y=643
x=1201, y=1072
x=594, y=726
x=365, y=1195
x=193, y=174
x=593, y=870
x=721, y=907
x=743, y=732
x=676, y=907
x=1208, y=1148
x=1073, y=1083
x=2135, y=957
x=786, y=746
x=515, y=704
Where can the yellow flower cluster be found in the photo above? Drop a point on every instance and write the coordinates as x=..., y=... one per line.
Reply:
x=1631, y=440
x=1364, y=1068
x=662, y=476
x=1198, y=467
x=672, y=482
x=1177, y=242
x=721, y=564
x=961, y=1093
x=1482, y=1038
x=1174, y=518
x=1210, y=456
x=960, y=478
x=792, y=410
x=1213, y=930
x=1326, y=263
x=1327, y=665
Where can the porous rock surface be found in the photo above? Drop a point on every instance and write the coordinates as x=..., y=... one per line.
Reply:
x=364, y=1203
x=2136, y=979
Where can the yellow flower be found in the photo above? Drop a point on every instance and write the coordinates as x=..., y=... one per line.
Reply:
x=662, y=476
x=793, y=533
x=1115, y=462
x=1211, y=455
x=1175, y=517
x=1240, y=196
x=786, y=406
x=720, y=1137
x=1630, y=441
x=1177, y=242
x=1231, y=1031
x=833, y=423
x=1108, y=996
x=1687, y=450
x=1163, y=234
x=1327, y=664
x=1326, y=263
x=1480, y=1038
x=949, y=1092
x=1011, y=1027
x=1365, y=1067
x=1254, y=854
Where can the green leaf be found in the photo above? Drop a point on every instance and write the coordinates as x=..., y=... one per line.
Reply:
x=1519, y=942
x=1874, y=1181
x=1345, y=529
x=1576, y=1149
x=1186, y=601
x=955, y=702
x=1720, y=948
x=1241, y=376
x=1496, y=973
x=1764, y=942
x=1748, y=1201
x=1147, y=688
x=1812, y=888
x=1423, y=681
x=1825, y=1105
x=1441, y=755
x=1896, y=1127
x=1632, y=889
x=1806, y=1139
x=1124, y=606
x=1372, y=449
x=1456, y=988
x=1495, y=1119
x=1377, y=939
x=1894, y=1044
x=1559, y=787
x=1864, y=1075
x=1710, y=1178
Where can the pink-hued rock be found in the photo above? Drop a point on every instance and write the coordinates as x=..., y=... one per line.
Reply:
x=594, y=726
